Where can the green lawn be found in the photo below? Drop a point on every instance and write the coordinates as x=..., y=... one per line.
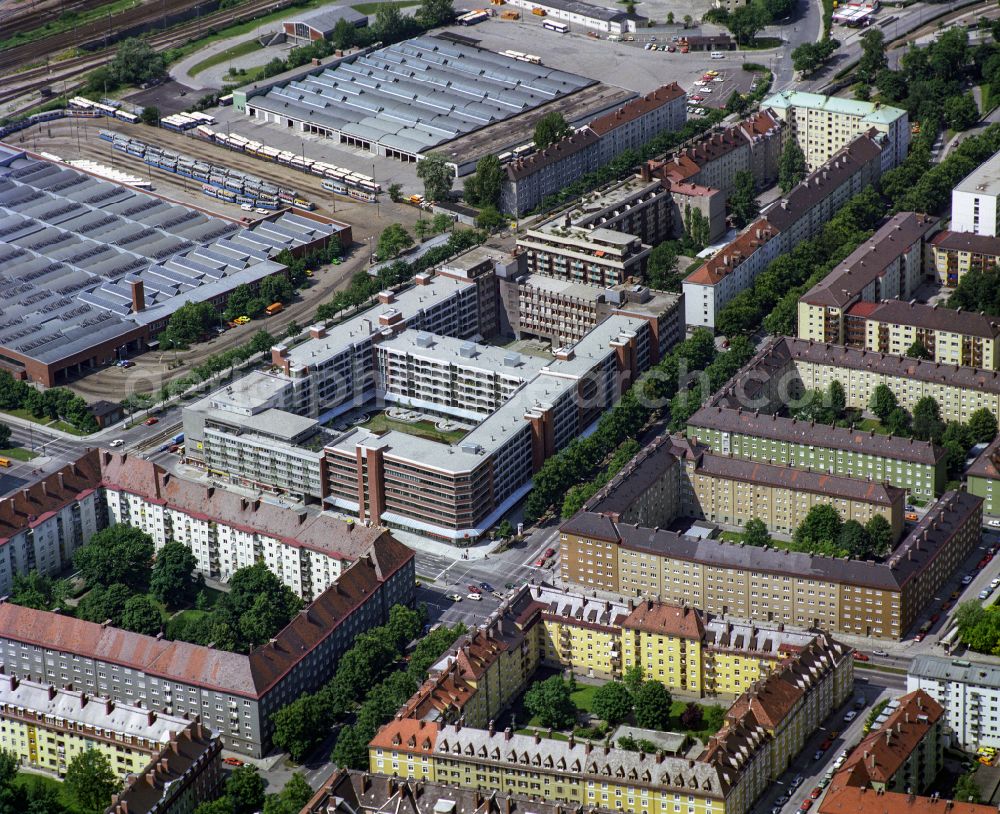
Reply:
x=584, y=697
x=45, y=422
x=544, y=733
x=18, y=453
x=869, y=424
x=27, y=778
x=423, y=429
x=240, y=50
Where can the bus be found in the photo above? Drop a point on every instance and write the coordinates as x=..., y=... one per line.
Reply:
x=559, y=28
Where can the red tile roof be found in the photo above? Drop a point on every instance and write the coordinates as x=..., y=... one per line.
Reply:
x=727, y=260
x=851, y=800
x=417, y=736
x=637, y=108
x=668, y=620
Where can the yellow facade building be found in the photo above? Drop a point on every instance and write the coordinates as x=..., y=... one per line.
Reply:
x=47, y=727
x=789, y=682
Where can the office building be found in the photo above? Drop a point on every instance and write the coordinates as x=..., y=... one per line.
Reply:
x=822, y=125
x=46, y=727
x=234, y=693
x=969, y=692
x=177, y=780
x=783, y=224
x=974, y=207
x=955, y=254
x=892, y=264
x=621, y=542
x=916, y=466
x=764, y=729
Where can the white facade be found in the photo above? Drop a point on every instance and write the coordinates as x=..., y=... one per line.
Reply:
x=222, y=549
x=969, y=692
x=974, y=201
x=47, y=544
x=577, y=12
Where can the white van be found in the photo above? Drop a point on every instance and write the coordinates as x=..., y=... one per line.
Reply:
x=718, y=55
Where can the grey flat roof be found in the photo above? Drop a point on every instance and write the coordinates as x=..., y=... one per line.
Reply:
x=325, y=18
x=416, y=94
x=70, y=245
x=977, y=673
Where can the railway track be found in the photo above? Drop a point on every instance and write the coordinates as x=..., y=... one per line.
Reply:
x=137, y=17
x=20, y=20
x=69, y=72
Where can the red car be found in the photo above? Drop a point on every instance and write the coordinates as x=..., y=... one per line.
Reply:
x=697, y=98
x=540, y=562
x=859, y=656
x=815, y=793
x=826, y=745
x=232, y=761
x=806, y=805
x=935, y=617
x=549, y=552
x=919, y=637
x=474, y=589
x=149, y=422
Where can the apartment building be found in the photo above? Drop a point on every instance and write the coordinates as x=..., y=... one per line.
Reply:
x=783, y=224
x=771, y=719
x=904, y=753
x=46, y=727
x=234, y=693
x=563, y=312
x=982, y=478
x=916, y=466
x=620, y=542
x=43, y=523
x=594, y=255
x=955, y=254
x=950, y=337
x=822, y=125
x=307, y=551
x=974, y=207
x=530, y=179
x=713, y=159
x=181, y=777
x=891, y=265
x=457, y=492
x=969, y=693
x=855, y=800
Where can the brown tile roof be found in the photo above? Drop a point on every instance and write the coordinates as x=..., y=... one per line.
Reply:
x=728, y=259
x=881, y=754
x=524, y=167
x=319, y=532
x=779, y=428
x=936, y=318
x=246, y=675
x=669, y=620
x=868, y=262
x=850, y=800
x=636, y=108
x=967, y=242
x=770, y=701
x=36, y=502
x=801, y=480
x=416, y=735
x=987, y=465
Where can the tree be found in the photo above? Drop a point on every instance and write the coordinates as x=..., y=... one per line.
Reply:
x=117, y=554
x=172, y=580
x=821, y=524
x=661, y=267
x=898, y=422
x=389, y=25
x=422, y=229
x=150, y=115
x=393, y=241
x=743, y=201
x=873, y=57
x=505, y=530
x=853, y=539
x=490, y=219
x=190, y=321
x=434, y=13
x=550, y=128
x=612, y=702
x=291, y=799
x=918, y=350
x=33, y=590
x=222, y=805
x=345, y=34
x=927, y=423
x=101, y=604
x=276, y=288
x=487, y=183
x=301, y=725
x=692, y=716
x=293, y=329
x=882, y=402
x=810, y=56
x=550, y=702
x=395, y=193
x=755, y=533
x=670, y=18
x=652, y=706
x=746, y=22
x=403, y=626
x=879, y=535
x=436, y=175
x=245, y=788
x=982, y=426
x=969, y=614
x=137, y=63
x=961, y=111
x=836, y=398
x=4, y=436
x=966, y=789
x=791, y=166
x=91, y=781
x=141, y=615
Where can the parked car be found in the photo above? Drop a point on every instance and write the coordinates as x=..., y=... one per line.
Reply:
x=149, y=422
x=540, y=562
x=816, y=792
x=826, y=744
x=510, y=586
x=781, y=800
x=935, y=617
x=796, y=781
x=818, y=755
x=882, y=653
x=118, y=442
x=475, y=597
x=455, y=597
x=985, y=594
x=966, y=579
x=806, y=805
x=232, y=761
x=920, y=637
x=486, y=587
x=473, y=589
x=859, y=656
x=995, y=523
x=850, y=715
x=549, y=552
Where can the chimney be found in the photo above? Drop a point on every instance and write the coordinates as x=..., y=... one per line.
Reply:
x=138, y=295
x=508, y=733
